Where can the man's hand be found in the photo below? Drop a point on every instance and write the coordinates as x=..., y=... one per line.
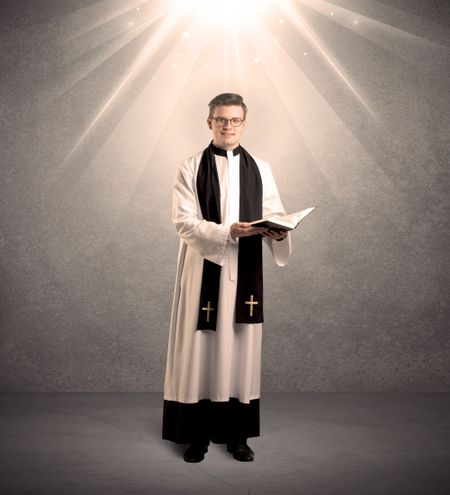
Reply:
x=278, y=235
x=244, y=229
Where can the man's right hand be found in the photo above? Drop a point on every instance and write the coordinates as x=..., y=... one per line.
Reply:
x=244, y=229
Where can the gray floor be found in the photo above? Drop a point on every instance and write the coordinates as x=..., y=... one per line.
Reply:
x=314, y=443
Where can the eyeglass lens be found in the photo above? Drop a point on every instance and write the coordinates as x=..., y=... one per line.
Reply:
x=235, y=122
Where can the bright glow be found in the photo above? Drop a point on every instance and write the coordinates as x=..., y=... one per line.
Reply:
x=232, y=26
x=193, y=49
x=236, y=11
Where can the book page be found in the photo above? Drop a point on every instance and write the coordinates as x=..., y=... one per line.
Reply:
x=294, y=218
x=287, y=221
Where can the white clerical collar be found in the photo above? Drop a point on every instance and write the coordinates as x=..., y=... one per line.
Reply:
x=221, y=152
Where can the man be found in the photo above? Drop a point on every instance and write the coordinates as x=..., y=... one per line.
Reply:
x=212, y=382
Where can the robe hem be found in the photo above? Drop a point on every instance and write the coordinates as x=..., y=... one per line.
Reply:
x=212, y=399
x=218, y=422
x=213, y=440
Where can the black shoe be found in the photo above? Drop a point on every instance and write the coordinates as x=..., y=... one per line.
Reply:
x=195, y=452
x=241, y=451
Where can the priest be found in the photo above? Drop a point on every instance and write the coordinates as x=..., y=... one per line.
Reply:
x=212, y=379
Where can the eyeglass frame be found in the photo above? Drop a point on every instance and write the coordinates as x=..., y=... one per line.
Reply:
x=225, y=121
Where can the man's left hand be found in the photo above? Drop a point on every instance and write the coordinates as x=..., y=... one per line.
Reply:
x=278, y=235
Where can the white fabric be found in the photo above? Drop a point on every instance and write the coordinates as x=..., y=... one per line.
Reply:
x=205, y=364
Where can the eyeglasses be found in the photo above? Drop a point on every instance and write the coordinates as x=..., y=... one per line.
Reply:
x=222, y=121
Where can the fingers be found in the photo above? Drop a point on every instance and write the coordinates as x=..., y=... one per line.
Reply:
x=278, y=235
x=244, y=229
x=248, y=231
x=256, y=230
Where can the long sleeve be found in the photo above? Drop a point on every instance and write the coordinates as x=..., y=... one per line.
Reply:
x=209, y=239
x=272, y=205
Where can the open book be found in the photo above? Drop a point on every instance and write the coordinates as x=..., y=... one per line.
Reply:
x=283, y=222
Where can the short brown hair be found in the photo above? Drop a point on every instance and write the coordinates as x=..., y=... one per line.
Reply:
x=227, y=99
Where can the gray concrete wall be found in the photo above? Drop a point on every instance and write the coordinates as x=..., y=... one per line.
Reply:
x=87, y=248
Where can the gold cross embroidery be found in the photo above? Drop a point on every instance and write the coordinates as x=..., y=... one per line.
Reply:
x=208, y=310
x=251, y=303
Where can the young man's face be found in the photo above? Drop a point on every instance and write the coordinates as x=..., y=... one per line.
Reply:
x=227, y=136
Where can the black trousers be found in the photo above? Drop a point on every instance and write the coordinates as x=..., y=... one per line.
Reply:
x=204, y=421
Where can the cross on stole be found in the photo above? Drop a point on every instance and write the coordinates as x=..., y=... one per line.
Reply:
x=208, y=310
x=251, y=303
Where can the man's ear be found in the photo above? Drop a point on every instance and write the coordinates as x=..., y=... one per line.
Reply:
x=209, y=122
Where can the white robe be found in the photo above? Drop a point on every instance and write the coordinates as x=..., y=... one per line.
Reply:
x=205, y=364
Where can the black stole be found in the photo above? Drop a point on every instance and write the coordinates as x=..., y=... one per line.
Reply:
x=249, y=295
